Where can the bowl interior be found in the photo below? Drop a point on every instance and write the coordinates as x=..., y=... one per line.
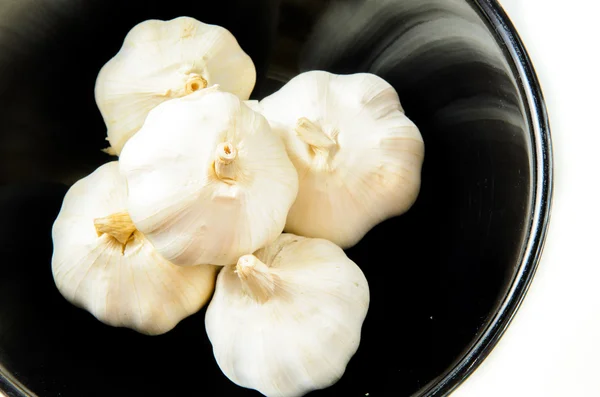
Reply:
x=437, y=274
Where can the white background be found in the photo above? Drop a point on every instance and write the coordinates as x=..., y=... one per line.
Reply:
x=552, y=348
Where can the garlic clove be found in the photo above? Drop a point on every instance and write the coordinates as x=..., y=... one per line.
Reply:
x=358, y=156
x=288, y=319
x=209, y=181
x=102, y=264
x=162, y=60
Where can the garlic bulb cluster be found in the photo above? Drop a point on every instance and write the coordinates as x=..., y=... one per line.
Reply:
x=162, y=60
x=209, y=181
x=103, y=264
x=287, y=319
x=358, y=156
x=206, y=183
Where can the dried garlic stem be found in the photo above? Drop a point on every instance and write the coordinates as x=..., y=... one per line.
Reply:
x=257, y=279
x=321, y=144
x=313, y=135
x=225, y=167
x=118, y=225
x=195, y=83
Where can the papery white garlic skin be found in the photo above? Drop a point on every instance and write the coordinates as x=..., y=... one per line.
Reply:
x=209, y=181
x=162, y=60
x=358, y=156
x=288, y=319
x=122, y=285
x=253, y=104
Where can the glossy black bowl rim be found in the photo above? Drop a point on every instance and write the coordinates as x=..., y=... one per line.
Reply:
x=542, y=176
x=541, y=203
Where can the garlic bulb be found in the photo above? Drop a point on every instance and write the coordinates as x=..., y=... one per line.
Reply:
x=253, y=104
x=358, y=156
x=208, y=179
x=161, y=60
x=287, y=320
x=103, y=264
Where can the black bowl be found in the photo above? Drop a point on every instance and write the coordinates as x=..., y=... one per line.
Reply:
x=465, y=253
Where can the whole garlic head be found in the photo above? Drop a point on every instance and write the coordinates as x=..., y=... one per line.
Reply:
x=287, y=320
x=209, y=181
x=162, y=60
x=358, y=156
x=102, y=264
